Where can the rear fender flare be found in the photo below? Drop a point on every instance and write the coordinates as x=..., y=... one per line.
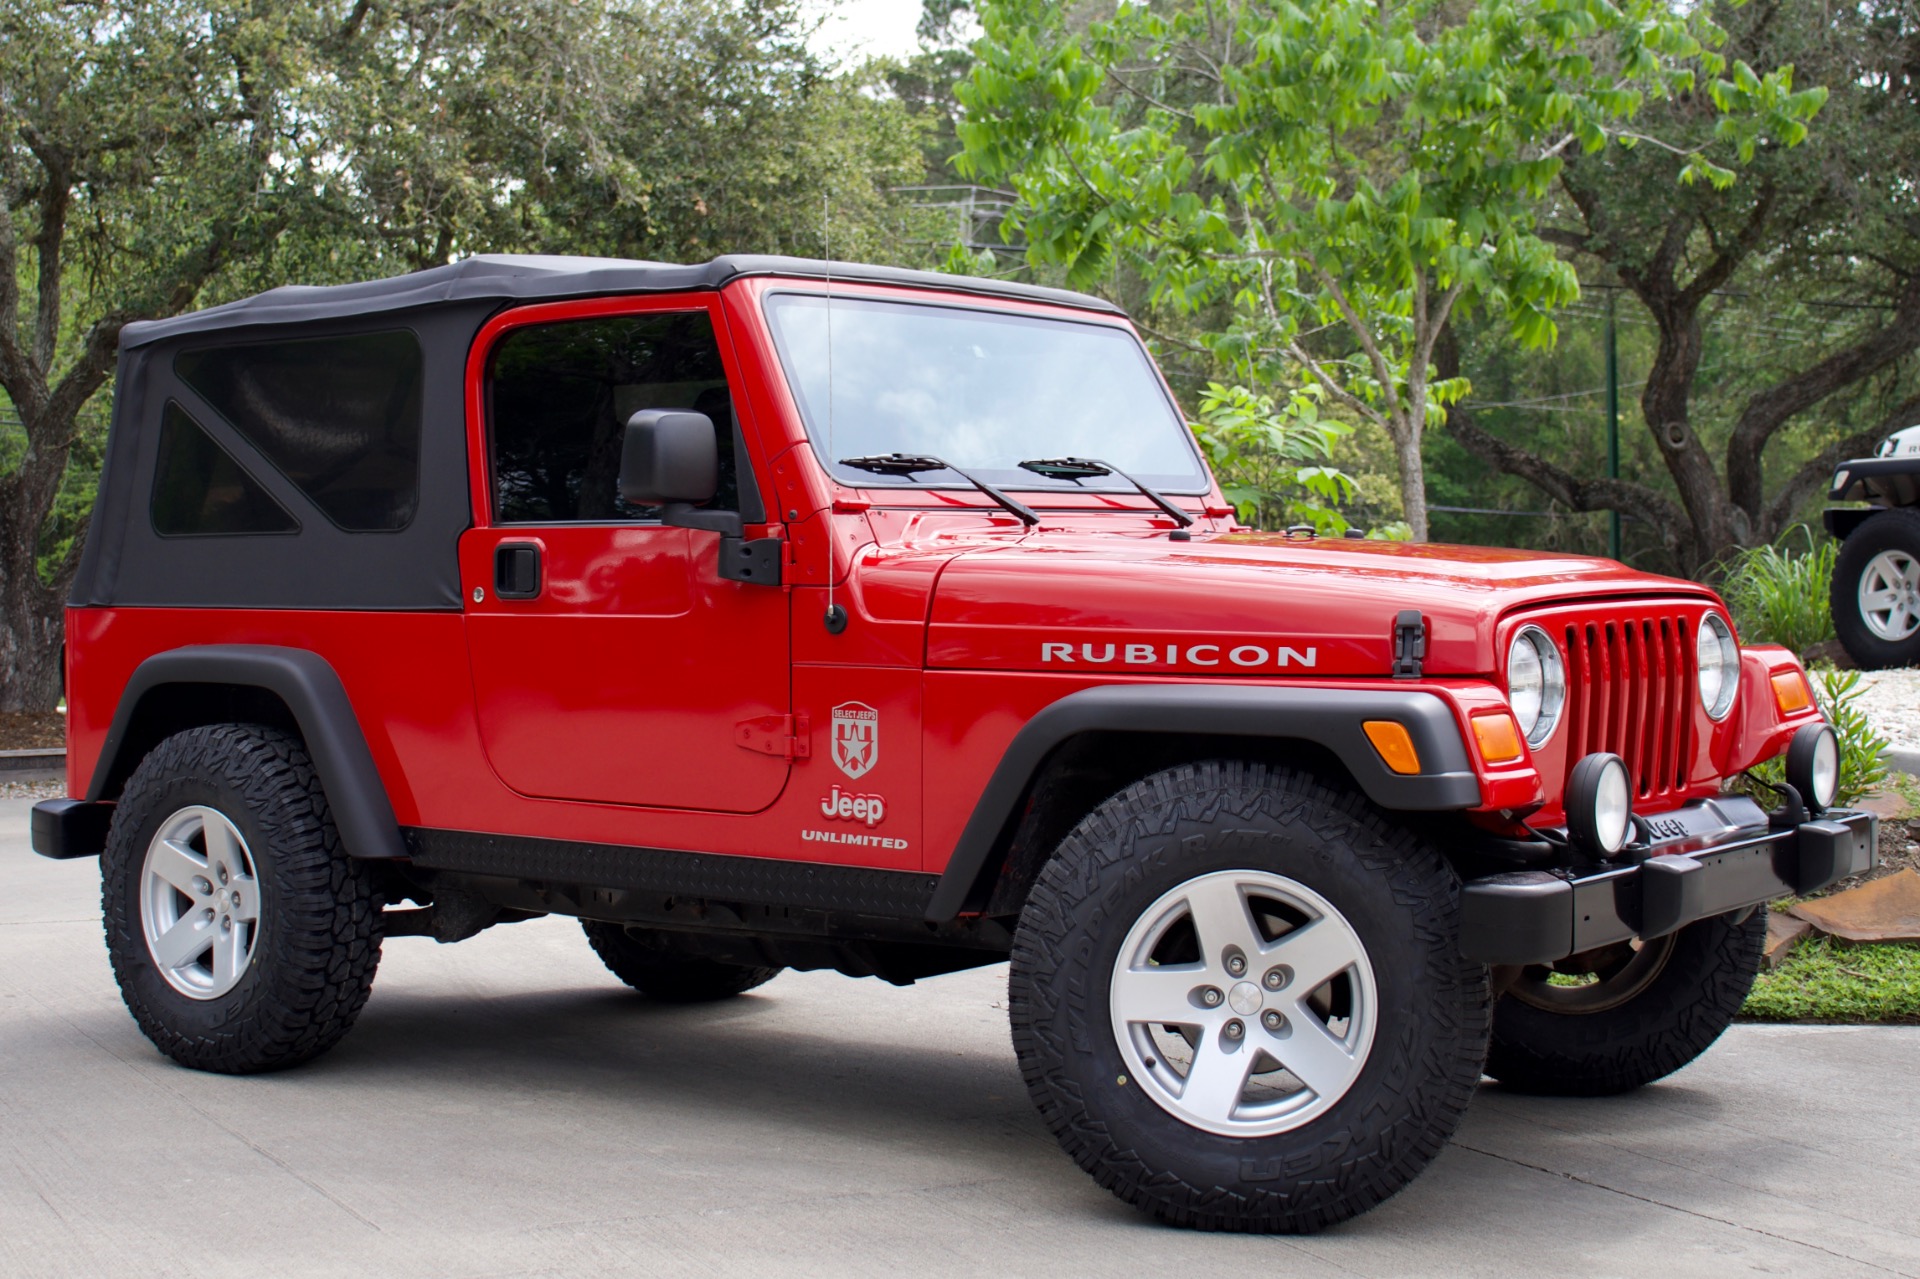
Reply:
x=1326, y=717
x=312, y=693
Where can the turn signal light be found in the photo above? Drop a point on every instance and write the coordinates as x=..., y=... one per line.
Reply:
x=1499, y=737
x=1395, y=744
x=1790, y=692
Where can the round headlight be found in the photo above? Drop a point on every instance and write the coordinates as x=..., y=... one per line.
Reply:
x=1813, y=766
x=1719, y=660
x=1536, y=683
x=1600, y=804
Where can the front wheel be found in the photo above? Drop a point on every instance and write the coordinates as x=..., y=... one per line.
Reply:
x=1875, y=595
x=1610, y=1020
x=1238, y=999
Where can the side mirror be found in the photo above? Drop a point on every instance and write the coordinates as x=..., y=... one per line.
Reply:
x=669, y=456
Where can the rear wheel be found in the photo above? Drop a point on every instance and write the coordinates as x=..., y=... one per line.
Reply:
x=663, y=975
x=1610, y=1020
x=243, y=937
x=1876, y=591
x=1238, y=1000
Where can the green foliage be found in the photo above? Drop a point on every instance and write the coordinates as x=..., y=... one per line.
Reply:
x=158, y=155
x=1823, y=980
x=1778, y=597
x=1863, y=751
x=1328, y=183
x=1273, y=463
x=1766, y=330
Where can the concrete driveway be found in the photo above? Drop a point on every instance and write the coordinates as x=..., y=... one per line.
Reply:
x=505, y=1107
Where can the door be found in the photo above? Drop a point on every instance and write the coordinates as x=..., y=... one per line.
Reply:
x=611, y=662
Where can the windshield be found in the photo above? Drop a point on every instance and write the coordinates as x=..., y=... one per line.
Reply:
x=983, y=390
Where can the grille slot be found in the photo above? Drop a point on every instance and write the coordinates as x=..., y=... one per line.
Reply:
x=1627, y=685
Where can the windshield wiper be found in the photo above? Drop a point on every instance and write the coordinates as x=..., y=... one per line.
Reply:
x=913, y=463
x=1086, y=468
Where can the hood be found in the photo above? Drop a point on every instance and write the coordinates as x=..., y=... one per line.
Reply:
x=1247, y=603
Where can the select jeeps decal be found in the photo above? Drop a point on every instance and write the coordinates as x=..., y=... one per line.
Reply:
x=1245, y=656
x=856, y=738
x=845, y=806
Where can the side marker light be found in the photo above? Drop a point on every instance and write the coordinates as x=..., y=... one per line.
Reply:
x=1499, y=737
x=1395, y=744
x=1790, y=692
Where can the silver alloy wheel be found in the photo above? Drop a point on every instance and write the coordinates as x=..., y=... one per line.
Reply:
x=1889, y=595
x=1243, y=1003
x=199, y=902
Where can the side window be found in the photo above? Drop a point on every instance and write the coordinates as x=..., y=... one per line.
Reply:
x=559, y=398
x=198, y=489
x=339, y=416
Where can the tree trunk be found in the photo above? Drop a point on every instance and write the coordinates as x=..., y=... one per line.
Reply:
x=1667, y=403
x=1413, y=480
x=33, y=612
x=31, y=674
x=32, y=617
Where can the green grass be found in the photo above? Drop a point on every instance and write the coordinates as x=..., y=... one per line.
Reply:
x=1825, y=981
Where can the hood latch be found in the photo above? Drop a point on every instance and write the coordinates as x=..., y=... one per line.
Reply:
x=1409, y=643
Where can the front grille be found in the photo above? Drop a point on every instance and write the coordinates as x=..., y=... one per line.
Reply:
x=1629, y=688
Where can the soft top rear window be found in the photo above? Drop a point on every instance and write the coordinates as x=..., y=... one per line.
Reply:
x=338, y=416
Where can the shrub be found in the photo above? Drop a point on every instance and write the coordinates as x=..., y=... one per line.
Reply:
x=1778, y=597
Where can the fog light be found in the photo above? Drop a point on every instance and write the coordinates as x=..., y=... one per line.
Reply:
x=1813, y=766
x=1600, y=804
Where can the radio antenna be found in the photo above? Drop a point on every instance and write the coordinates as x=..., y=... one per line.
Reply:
x=836, y=617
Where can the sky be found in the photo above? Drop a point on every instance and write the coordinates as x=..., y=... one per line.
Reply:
x=870, y=27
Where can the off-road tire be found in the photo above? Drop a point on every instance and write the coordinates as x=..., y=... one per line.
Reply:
x=317, y=941
x=1400, y=897
x=672, y=979
x=1895, y=530
x=1679, y=1014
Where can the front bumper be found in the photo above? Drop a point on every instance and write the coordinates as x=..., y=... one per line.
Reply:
x=1718, y=856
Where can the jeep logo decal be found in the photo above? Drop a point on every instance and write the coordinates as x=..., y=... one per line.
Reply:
x=1248, y=656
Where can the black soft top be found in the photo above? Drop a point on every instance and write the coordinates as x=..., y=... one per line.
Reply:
x=530, y=277
x=130, y=561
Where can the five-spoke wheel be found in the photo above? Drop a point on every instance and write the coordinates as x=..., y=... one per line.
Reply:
x=1875, y=595
x=1244, y=1003
x=1889, y=594
x=1239, y=1002
x=199, y=902
x=242, y=935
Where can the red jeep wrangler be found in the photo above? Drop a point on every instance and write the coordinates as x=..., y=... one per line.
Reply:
x=763, y=616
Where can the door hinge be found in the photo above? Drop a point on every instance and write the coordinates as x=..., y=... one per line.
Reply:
x=785, y=736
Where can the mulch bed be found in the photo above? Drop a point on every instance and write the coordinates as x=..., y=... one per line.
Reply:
x=31, y=730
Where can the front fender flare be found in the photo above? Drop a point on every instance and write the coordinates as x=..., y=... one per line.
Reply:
x=1328, y=717
x=312, y=692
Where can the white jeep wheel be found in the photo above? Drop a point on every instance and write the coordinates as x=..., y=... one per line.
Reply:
x=1890, y=595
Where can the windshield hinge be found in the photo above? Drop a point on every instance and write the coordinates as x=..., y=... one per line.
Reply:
x=1409, y=643
x=783, y=736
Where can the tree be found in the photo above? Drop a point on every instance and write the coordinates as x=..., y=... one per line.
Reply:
x=157, y=155
x=1345, y=176
x=1823, y=240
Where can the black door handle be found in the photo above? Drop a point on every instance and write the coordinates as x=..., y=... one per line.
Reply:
x=516, y=571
